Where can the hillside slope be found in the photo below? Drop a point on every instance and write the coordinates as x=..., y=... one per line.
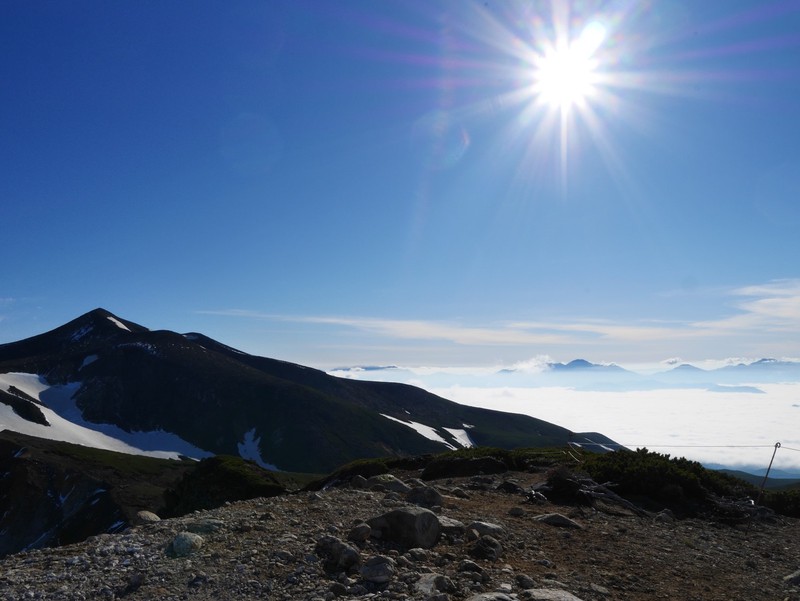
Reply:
x=102, y=369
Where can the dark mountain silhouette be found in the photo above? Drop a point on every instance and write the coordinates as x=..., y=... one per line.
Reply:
x=225, y=401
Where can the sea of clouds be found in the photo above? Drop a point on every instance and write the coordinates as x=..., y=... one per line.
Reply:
x=712, y=419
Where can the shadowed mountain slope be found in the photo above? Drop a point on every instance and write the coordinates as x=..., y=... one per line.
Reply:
x=228, y=402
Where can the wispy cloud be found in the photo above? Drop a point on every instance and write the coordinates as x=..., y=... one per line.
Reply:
x=771, y=308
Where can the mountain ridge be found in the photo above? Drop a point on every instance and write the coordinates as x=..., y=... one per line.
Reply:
x=278, y=413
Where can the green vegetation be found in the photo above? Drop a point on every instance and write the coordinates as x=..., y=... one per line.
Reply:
x=224, y=478
x=785, y=502
x=661, y=478
x=522, y=459
x=678, y=483
x=527, y=459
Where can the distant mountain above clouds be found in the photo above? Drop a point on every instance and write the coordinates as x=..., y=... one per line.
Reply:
x=105, y=381
x=762, y=371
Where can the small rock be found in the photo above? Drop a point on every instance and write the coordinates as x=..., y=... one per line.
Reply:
x=358, y=481
x=490, y=597
x=338, y=589
x=451, y=527
x=556, y=519
x=146, y=517
x=793, y=578
x=339, y=556
x=427, y=496
x=524, y=581
x=429, y=584
x=378, y=569
x=516, y=512
x=205, y=526
x=360, y=532
x=487, y=529
x=665, y=516
x=388, y=482
x=549, y=594
x=510, y=487
x=487, y=547
x=184, y=544
x=418, y=554
x=468, y=565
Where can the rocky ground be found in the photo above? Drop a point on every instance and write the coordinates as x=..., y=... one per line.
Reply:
x=483, y=541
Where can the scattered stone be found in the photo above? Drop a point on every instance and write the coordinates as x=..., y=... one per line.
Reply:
x=358, y=481
x=427, y=496
x=388, y=482
x=665, y=516
x=516, y=512
x=510, y=487
x=469, y=566
x=487, y=528
x=277, y=548
x=360, y=533
x=793, y=578
x=490, y=597
x=429, y=584
x=487, y=547
x=205, y=526
x=459, y=492
x=549, y=594
x=408, y=526
x=378, y=569
x=599, y=589
x=184, y=544
x=146, y=517
x=556, y=519
x=339, y=556
x=338, y=589
x=450, y=527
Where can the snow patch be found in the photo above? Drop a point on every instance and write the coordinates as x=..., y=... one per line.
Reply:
x=62, y=498
x=118, y=323
x=67, y=423
x=116, y=526
x=88, y=361
x=80, y=333
x=461, y=437
x=249, y=449
x=422, y=430
x=145, y=346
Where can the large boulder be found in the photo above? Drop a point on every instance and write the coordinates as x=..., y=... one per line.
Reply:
x=408, y=526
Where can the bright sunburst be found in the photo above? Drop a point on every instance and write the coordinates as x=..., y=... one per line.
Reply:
x=565, y=75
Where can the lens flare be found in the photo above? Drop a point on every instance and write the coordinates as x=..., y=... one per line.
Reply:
x=566, y=74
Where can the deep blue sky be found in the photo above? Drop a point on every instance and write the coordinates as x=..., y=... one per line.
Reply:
x=350, y=182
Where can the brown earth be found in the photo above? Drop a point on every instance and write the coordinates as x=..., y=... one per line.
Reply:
x=267, y=549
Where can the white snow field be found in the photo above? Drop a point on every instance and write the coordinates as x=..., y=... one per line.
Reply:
x=68, y=425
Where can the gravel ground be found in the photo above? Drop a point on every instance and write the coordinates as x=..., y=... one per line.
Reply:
x=309, y=546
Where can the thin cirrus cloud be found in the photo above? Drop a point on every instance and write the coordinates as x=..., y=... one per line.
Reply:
x=773, y=307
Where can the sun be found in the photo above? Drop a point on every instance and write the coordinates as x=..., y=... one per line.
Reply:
x=565, y=74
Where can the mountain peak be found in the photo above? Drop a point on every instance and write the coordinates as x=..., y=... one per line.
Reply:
x=99, y=320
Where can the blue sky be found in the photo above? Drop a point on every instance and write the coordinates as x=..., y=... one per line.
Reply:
x=386, y=182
